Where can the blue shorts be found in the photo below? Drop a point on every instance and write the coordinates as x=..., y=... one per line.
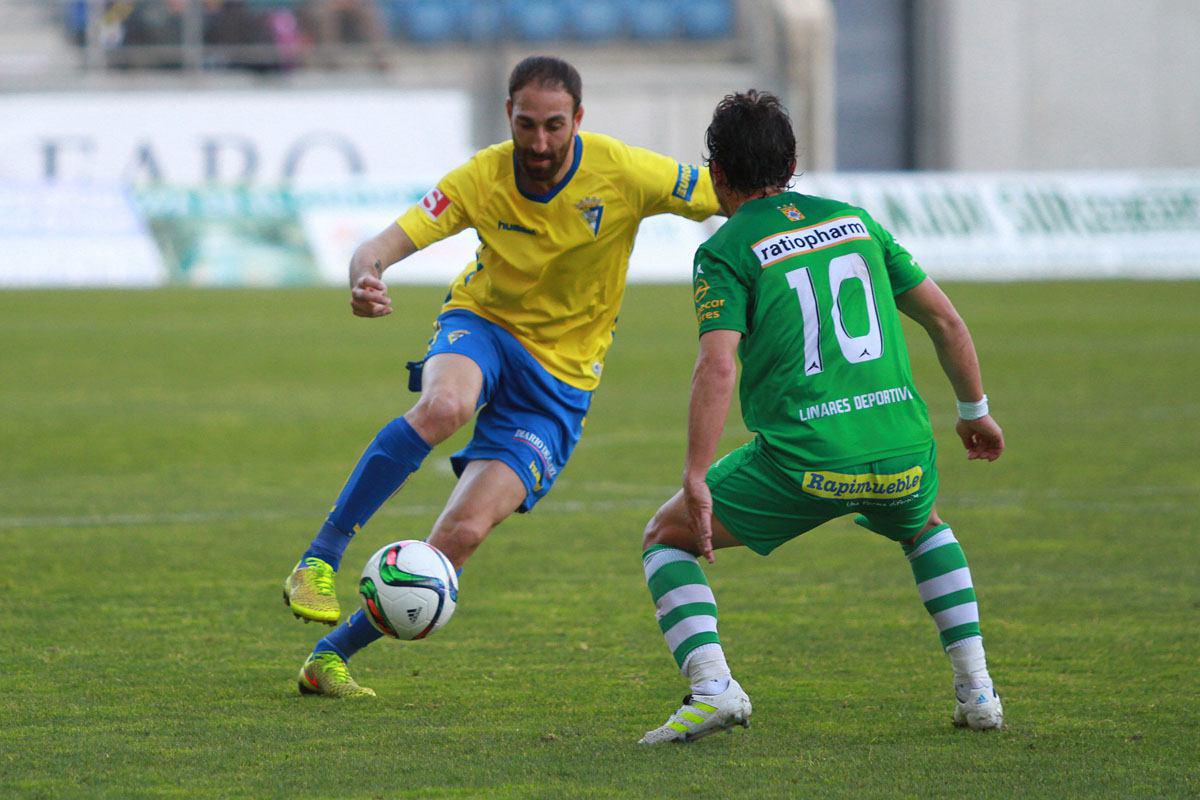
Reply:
x=528, y=418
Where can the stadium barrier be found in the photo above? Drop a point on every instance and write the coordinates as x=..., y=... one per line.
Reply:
x=214, y=192
x=1009, y=226
x=1034, y=225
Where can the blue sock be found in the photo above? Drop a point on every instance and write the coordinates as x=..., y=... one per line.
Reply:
x=348, y=638
x=395, y=453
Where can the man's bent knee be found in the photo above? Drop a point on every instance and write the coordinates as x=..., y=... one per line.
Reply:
x=459, y=538
x=666, y=528
x=931, y=523
x=652, y=533
x=437, y=416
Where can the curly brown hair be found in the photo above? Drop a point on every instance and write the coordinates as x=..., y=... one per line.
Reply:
x=750, y=138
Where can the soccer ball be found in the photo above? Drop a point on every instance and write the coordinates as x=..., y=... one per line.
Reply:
x=408, y=589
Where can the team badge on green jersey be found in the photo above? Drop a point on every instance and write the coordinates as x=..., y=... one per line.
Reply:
x=592, y=209
x=791, y=212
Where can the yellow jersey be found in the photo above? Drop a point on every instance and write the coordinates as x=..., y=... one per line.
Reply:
x=550, y=268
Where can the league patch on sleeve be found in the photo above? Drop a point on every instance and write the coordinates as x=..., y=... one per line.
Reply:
x=435, y=203
x=706, y=307
x=685, y=182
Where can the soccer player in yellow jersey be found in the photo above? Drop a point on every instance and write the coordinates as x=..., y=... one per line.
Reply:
x=523, y=333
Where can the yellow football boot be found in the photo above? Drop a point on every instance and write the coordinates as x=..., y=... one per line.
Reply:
x=326, y=673
x=309, y=592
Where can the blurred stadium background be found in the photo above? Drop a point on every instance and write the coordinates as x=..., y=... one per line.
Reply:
x=163, y=454
x=220, y=142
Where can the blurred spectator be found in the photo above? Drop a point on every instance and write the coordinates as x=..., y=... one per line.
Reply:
x=242, y=31
x=339, y=22
x=282, y=34
x=290, y=41
x=127, y=27
x=155, y=22
x=75, y=18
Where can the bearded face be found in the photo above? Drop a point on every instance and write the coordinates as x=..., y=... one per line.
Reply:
x=544, y=122
x=541, y=165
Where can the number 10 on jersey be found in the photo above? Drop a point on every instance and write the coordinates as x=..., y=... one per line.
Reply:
x=856, y=349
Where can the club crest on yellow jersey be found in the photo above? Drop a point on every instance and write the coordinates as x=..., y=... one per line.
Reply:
x=791, y=212
x=592, y=210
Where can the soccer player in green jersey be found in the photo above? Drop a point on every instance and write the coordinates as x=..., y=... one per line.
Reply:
x=805, y=291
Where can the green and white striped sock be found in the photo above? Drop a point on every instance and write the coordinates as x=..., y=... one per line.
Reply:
x=944, y=583
x=686, y=611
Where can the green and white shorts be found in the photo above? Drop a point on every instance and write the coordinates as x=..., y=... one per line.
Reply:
x=764, y=505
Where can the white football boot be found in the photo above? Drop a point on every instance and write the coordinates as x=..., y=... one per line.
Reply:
x=978, y=709
x=702, y=714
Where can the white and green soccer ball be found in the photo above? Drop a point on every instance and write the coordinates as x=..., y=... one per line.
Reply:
x=408, y=589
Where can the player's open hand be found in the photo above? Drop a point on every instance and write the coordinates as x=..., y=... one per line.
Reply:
x=982, y=437
x=369, y=297
x=699, y=508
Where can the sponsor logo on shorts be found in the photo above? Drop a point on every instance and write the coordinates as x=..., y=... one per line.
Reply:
x=783, y=246
x=685, y=182
x=435, y=203
x=437, y=328
x=868, y=486
x=454, y=336
x=545, y=457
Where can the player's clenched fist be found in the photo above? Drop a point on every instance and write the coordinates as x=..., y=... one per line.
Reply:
x=982, y=437
x=369, y=297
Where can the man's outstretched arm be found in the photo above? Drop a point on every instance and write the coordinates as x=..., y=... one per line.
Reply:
x=712, y=391
x=368, y=292
x=929, y=306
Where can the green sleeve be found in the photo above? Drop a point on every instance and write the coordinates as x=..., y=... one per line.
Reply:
x=720, y=294
x=903, y=271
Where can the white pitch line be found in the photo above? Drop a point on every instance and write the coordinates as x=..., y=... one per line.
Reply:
x=182, y=517
x=1137, y=498
x=265, y=515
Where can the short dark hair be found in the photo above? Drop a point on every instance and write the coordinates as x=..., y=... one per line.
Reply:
x=549, y=72
x=751, y=139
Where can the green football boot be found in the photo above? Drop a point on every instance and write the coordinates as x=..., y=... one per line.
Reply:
x=310, y=594
x=326, y=673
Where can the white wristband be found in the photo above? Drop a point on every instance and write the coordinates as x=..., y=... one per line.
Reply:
x=969, y=411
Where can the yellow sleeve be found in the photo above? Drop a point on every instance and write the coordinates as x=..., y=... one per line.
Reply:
x=662, y=185
x=446, y=209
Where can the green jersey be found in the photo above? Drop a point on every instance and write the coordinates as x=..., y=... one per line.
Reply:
x=811, y=284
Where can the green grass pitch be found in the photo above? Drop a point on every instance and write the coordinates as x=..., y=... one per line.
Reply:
x=166, y=455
